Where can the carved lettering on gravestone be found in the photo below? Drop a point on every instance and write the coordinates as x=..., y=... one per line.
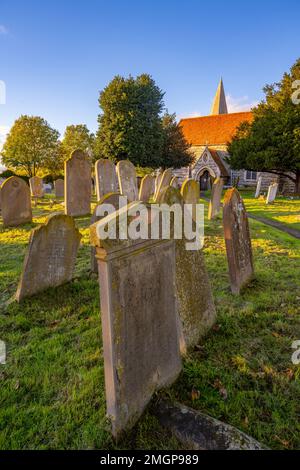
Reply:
x=237, y=240
x=147, y=188
x=215, y=200
x=106, y=177
x=36, y=187
x=16, y=202
x=127, y=180
x=77, y=184
x=138, y=311
x=50, y=257
x=59, y=188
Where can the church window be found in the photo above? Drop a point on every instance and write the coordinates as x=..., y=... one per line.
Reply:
x=250, y=175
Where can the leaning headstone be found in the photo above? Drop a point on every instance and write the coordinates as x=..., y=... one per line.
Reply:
x=106, y=177
x=114, y=200
x=51, y=256
x=127, y=180
x=272, y=192
x=59, y=188
x=164, y=182
x=237, y=240
x=258, y=187
x=215, y=200
x=147, y=188
x=139, y=328
x=16, y=202
x=36, y=187
x=77, y=184
x=196, y=307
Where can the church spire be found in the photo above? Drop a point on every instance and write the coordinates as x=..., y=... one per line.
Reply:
x=219, y=105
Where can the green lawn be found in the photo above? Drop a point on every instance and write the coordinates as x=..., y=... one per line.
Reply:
x=52, y=387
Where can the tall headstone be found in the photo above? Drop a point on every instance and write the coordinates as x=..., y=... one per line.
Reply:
x=77, y=184
x=139, y=328
x=50, y=257
x=193, y=291
x=16, y=202
x=237, y=241
x=59, y=188
x=106, y=177
x=272, y=192
x=164, y=182
x=258, y=187
x=114, y=200
x=127, y=180
x=36, y=187
x=215, y=200
x=147, y=188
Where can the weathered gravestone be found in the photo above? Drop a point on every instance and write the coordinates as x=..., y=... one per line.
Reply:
x=106, y=177
x=237, y=240
x=51, y=256
x=272, y=192
x=127, y=180
x=147, y=188
x=16, y=202
x=59, y=188
x=77, y=184
x=114, y=200
x=194, y=297
x=139, y=327
x=157, y=183
x=258, y=187
x=215, y=201
x=164, y=182
x=36, y=187
x=174, y=182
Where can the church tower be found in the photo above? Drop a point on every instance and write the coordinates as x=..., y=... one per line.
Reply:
x=219, y=104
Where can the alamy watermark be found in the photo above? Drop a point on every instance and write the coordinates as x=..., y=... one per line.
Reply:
x=152, y=222
x=2, y=92
x=296, y=354
x=295, y=97
x=2, y=352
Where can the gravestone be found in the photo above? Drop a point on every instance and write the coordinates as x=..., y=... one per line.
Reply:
x=139, y=327
x=157, y=183
x=77, y=184
x=59, y=188
x=196, y=308
x=50, y=257
x=110, y=198
x=36, y=187
x=147, y=188
x=127, y=180
x=174, y=182
x=106, y=178
x=164, y=182
x=16, y=202
x=237, y=241
x=215, y=200
x=272, y=192
x=258, y=187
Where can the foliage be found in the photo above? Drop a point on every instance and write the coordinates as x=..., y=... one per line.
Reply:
x=175, y=152
x=78, y=137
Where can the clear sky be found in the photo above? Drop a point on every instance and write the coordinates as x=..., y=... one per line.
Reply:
x=55, y=56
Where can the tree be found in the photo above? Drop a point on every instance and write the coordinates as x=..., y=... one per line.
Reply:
x=130, y=126
x=271, y=142
x=32, y=146
x=175, y=151
x=78, y=137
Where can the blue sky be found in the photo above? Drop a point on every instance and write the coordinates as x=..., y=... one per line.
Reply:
x=55, y=56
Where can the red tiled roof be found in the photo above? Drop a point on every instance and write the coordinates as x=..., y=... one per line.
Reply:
x=213, y=130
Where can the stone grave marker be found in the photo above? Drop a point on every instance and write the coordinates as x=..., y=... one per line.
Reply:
x=237, y=240
x=157, y=183
x=50, y=257
x=258, y=187
x=194, y=296
x=139, y=327
x=127, y=180
x=59, y=188
x=147, y=188
x=16, y=202
x=215, y=200
x=272, y=192
x=77, y=184
x=36, y=187
x=106, y=177
x=175, y=183
x=164, y=182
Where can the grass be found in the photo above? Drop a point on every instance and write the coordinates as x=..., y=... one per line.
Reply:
x=52, y=387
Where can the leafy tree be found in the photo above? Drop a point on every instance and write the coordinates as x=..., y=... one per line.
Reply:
x=78, y=137
x=175, y=151
x=272, y=142
x=130, y=125
x=31, y=146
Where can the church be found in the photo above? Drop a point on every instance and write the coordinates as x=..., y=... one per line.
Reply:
x=208, y=137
